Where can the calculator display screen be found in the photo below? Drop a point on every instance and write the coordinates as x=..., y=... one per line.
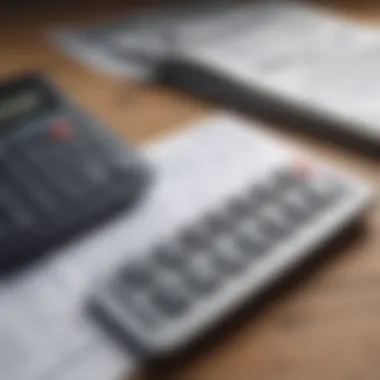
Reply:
x=19, y=105
x=23, y=100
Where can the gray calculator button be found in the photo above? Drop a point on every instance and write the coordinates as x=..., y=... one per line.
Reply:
x=137, y=275
x=96, y=172
x=228, y=256
x=251, y=238
x=65, y=177
x=137, y=304
x=202, y=275
x=169, y=255
x=239, y=208
x=297, y=206
x=195, y=237
x=275, y=224
x=43, y=197
x=260, y=195
x=19, y=215
x=30, y=182
x=81, y=164
x=324, y=189
x=56, y=173
x=218, y=223
x=170, y=298
x=285, y=179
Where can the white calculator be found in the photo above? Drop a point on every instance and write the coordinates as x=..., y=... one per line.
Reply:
x=235, y=210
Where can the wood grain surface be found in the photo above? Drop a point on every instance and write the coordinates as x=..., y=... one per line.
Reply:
x=324, y=326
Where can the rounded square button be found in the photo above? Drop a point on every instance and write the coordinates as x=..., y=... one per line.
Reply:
x=137, y=275
x=251, y=238
x=323, y=190
x=202, y=275
x=239, y=208
x=195, y=237
x=297, y=206
x=136, y=303
x=218, y=223
x=170, y=297
x=228, y=256
x=274, y=222
x=171, y=256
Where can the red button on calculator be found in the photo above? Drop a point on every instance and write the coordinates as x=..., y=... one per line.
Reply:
x=61, y=130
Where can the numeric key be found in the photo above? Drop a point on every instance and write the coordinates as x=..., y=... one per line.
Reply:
x=137, y=275
x=170, y=297
x=170, y=255
x=202, y=275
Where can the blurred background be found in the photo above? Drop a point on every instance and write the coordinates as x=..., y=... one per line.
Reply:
x=107, y=56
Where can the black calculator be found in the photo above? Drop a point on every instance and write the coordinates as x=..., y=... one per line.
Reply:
x=60, y=169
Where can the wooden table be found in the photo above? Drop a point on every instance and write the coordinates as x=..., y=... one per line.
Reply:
x=326, y=328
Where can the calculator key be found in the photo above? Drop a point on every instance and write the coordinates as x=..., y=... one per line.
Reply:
x=302, y=169
x=259, y=196
x=53, y=173
x=218, y=223
x=251, y=238
x=31, y=184
x=68, y=166
x=170, y=298
x=239, y=208
x=60, y=130
x=136, y=303
x=288, y=178
x=228, y=256
x=195, y=237
x=297, y=206
x=58, y=164
x=137, y=275
x=17, y=212
x=171, y=256
x=202, y=275
x=44, y=200
x=324, y=190
x=96, y=172
x=81, y=165
x=274, y=222
x=285, y=179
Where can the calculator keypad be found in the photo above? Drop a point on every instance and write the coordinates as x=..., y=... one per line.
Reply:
x=51, y=177
x=206, y=256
